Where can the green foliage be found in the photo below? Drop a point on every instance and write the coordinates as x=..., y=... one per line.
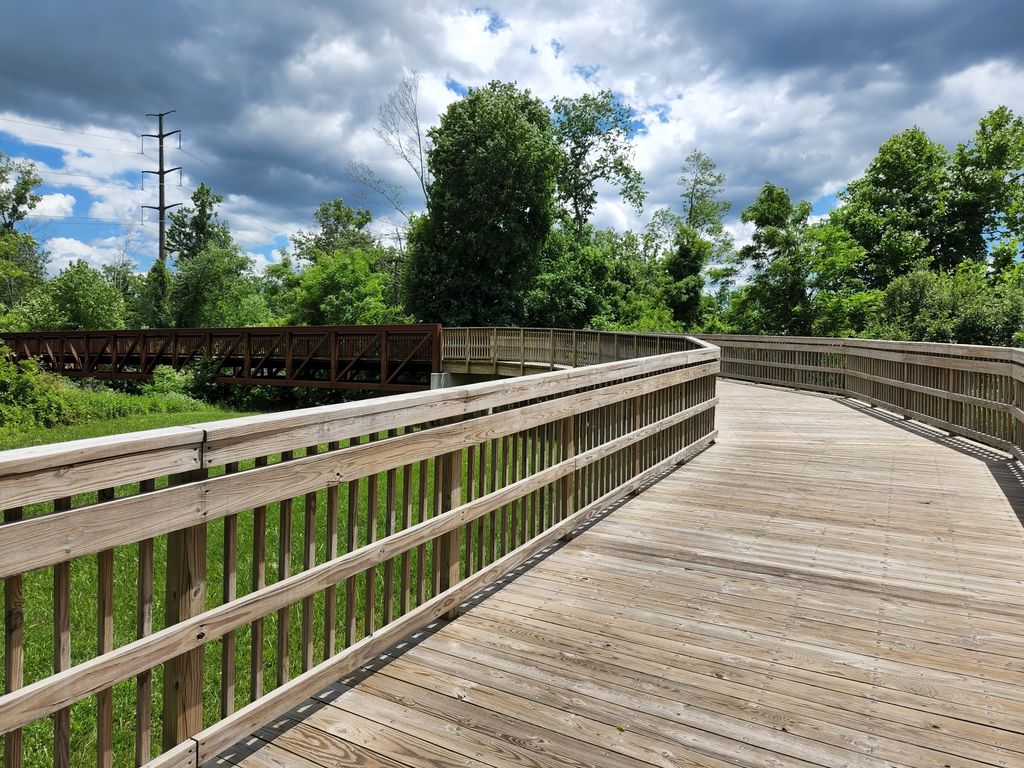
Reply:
x=196, y=228
x=341, y=227
x=217, y=289
x=962, y=307
x=684, y=267
x=474, y=255
x=77, y=299
x=154, y=308
x=31, y=398
x=18, y=196
x=340, y=287
x=22, y=267
x=593, y=132
x=570, y=288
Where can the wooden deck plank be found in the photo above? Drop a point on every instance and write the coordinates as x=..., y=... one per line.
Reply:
x=826, y=586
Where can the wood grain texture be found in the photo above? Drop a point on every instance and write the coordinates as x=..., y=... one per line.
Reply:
x=827, y=586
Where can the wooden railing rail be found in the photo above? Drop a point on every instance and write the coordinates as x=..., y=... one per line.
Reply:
x=972, y=391
x=168, y=592
x=517, y=351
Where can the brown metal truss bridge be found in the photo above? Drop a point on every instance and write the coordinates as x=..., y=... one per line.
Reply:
x=389, y=358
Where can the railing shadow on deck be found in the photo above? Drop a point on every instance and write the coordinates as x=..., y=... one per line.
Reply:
x=131, y=557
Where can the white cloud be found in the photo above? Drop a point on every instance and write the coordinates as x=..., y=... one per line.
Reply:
x=57, y=204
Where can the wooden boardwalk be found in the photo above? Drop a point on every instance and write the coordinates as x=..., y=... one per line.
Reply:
x=825, y=586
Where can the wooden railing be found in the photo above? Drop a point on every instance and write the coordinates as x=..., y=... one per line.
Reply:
x=168, y=592
x=518, y=351
x=973, y=391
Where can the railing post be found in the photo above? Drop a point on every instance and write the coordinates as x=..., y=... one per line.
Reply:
x=494, y=350
x=448, y=550
x=14, y=649
x=467, y=350
x=575, y=350
x=186, y=597
x=568, y=489
x=522, y=351
x=551, y=347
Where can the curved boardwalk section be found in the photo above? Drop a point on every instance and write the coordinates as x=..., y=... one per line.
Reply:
x=827, y=585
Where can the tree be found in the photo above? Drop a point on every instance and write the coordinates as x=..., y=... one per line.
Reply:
x=216, y=288
x=22, y=266
x=899, y=209
x=18, y=196
x=197, y=227
x=398, y=125
x=474, y=255
x=342, y=288
x=154, y=307
x=702, y=187
x=986, y=211
x=684, y=267
x=77, y=299
x=340, y=227
x=593, y=132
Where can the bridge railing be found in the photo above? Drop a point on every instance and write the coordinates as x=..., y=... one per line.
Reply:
x=972, y=391
x=517, y=351
x=392, y=358
x=168, y=592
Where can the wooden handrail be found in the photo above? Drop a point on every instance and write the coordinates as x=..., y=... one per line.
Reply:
x=410, y=504
x=972, y=391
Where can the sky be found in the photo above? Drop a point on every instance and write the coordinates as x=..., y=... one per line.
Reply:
x=274, y=100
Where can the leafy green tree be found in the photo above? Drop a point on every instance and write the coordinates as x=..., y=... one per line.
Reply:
x=474, y=255
x=703, y=184
x=22, y=262
x=898, y=210
x=593, y=131
x=987, y=177
x=76, y=299
x=22, y=266
x=197, y=227
x=339, y=227
x=803, y=278
x=216, y=288
x=570, y=289
x=154, y=308
x=961, y=306
x=342, y=288
x=684, y=266
x=18, y=196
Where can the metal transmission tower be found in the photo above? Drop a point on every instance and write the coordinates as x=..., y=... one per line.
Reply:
x=162, y=208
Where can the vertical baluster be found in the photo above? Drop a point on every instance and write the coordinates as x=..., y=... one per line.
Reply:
x=370, y=608
x=284, y=570
x=352, y=542
x=390, y=504
x=14, y=649
x=471, y=454
x=144, y=628
x=105, y=644
x=259, y=580
x=308, y=561
x=62, y=648
x=331, y=593
x=230, y=591
x=407, y=472
x=421, y=553
x=481, y=482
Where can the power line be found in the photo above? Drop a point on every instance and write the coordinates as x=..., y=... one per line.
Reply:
x=67, y=130
x=47, y=142
x=66, y=84
x=77, y=218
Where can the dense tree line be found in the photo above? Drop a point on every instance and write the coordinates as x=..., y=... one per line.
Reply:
x=925, y=245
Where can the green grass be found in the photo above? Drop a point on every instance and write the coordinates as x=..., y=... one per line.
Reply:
x=13, y=438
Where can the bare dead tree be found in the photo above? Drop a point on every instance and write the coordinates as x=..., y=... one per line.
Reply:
x=398, y=126
x=361, y=173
